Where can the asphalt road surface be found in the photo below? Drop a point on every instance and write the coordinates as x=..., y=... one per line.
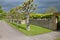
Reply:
x=9, y=33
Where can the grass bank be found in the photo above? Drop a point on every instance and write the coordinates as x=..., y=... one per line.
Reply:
x=35, y=30
x=58, y=39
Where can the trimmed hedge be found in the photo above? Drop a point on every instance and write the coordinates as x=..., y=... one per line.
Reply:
x=40, y=16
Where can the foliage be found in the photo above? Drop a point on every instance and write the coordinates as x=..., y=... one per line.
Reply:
x=40, y=16
x=27, y=8
x=59, y=18
x=2, y=13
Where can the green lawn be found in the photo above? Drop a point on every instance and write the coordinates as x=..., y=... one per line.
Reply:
x=58, y=39
x=35, y=30
x=59, y=18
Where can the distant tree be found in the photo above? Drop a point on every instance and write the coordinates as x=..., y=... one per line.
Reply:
x=2, y=13
x=11, y=14
x=0, y=7
x=15, y=15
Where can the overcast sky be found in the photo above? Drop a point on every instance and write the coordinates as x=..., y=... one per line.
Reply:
x=42, y=4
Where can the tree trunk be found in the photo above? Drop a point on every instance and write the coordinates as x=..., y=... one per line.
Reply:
x=27, y=23
x=12, y=20
x=17, y=21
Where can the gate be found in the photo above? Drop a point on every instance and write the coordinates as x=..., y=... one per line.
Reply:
x=57, y=15
x=58, y=24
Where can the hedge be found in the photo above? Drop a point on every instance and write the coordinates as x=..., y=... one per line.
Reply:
x=40, y=16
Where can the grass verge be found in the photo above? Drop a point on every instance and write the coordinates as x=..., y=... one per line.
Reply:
x=58, y=39
x=35, y=30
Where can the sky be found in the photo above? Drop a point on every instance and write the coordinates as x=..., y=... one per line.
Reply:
x=42, y=4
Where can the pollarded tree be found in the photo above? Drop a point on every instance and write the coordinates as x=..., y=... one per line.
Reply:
x=15, y=15
x=27, y=8
x=11, y=15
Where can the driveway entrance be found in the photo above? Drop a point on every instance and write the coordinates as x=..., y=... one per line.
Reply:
x=58, y=25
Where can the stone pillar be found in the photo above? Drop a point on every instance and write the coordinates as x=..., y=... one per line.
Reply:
x=54, y=23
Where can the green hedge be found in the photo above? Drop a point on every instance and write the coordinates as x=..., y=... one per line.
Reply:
x=40, y=16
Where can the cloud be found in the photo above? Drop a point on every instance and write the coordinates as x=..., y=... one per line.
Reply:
x=42, y=4
x=13, y=0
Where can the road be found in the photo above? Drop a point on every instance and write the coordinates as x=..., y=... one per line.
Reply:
x=9, y=33
x=48, y=36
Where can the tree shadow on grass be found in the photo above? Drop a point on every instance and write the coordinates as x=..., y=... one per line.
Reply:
x=19, y=26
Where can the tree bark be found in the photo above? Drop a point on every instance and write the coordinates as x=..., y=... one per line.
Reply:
x=27, y=23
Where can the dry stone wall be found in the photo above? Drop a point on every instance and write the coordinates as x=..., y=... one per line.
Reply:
x=44, y=23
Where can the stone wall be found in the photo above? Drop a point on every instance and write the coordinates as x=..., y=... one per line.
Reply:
x=47, y=23
x=43, y=23
x=53, y=23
